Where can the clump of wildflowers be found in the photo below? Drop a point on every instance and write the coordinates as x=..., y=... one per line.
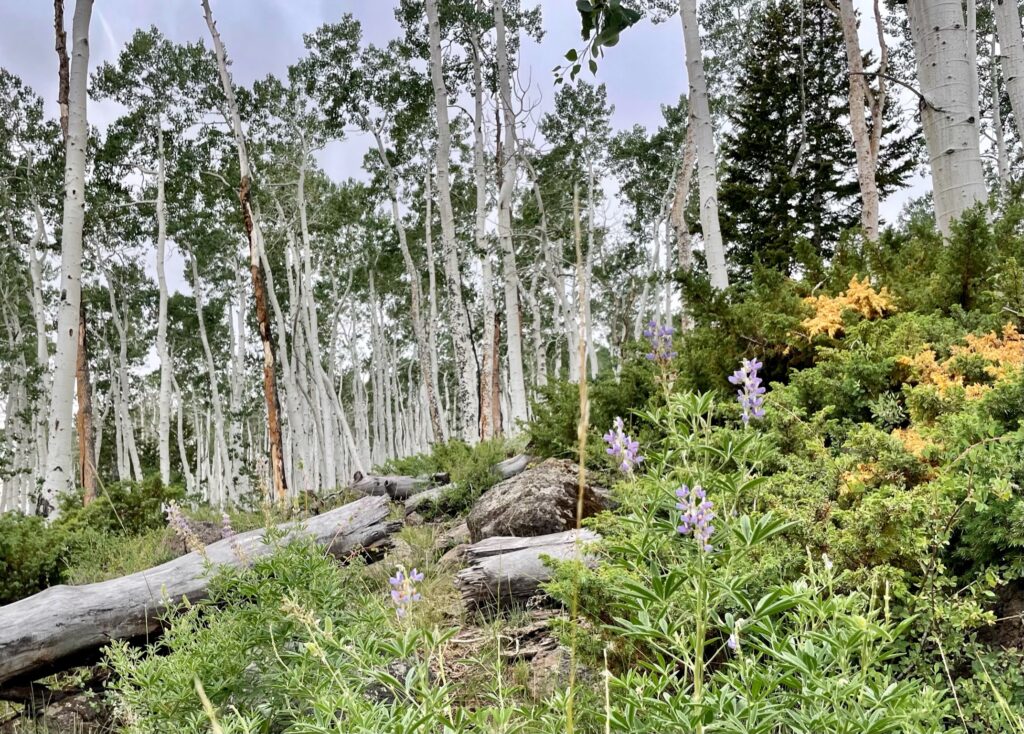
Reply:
x=698, y=512
x=403, y=590
x=751, y=392
x=660, y=339
x=623, y=448
x=179, y=523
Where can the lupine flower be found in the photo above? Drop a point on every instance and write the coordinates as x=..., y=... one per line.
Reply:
x=751, y=393
x=622, y=447
x=826, y=561
x=226, y=531
x=698, y=512
x=660, y=340
x=176, y=519
x=733, y=643
x=403, y=590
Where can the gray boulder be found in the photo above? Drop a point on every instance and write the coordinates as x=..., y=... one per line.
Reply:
x=539, y=501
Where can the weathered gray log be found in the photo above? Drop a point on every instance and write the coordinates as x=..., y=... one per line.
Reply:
x=504, y=571
x=65, y=626
x=511, y=467
x=395, y=486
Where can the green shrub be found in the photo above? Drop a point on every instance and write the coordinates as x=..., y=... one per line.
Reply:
x=30, y=559
x=121, y=507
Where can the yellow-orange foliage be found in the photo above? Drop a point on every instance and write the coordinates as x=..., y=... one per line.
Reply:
x=1004, y=353
x=859, y=297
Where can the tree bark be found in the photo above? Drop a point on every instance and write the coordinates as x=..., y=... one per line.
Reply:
x=1011, y=51
x=59, y=474
x=465, y=361
x=506, y=184
x=944, y=71
x=83, y=418
x=858, y=97
x=164, y=399
x=67, y=625
x=707, y=166
x=506, y=571
x=255, y=236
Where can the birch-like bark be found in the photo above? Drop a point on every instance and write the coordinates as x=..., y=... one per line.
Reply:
x=489, y=361
x=426, y=357
x=432, y=325
x=255, y=236
x=858, y=99
x=458, y=319
x=944, y=71
x=1002, y=158
x=59, y=467
x=186, y=468
x=39, y=421
x=707, y=166
x=220, y=440
x=127, y=427
x=83, y=418
x=164, y=399
x=1011, y=56
x=510, y=273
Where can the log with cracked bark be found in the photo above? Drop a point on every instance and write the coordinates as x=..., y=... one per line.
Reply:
x=395, y=486
x=65, y=626
x=504, y=571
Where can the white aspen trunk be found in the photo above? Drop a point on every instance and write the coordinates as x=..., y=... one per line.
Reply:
x=858, y=99
x=223, y=478
x=59, y=461
x=428, y=242
x=466, y=367
x=489, y=416
x=704, y=135
x=540, y=367
x=552, y=268
x=236, y=460
x=98, y=435
x=38, y=470
x=1002, y=158
x=186, y=469
x=944, y=71
x=513, y=325
x=1011, y=53
x=166, y=369
x=127, y=428
x=681, y=194
x=423, y=347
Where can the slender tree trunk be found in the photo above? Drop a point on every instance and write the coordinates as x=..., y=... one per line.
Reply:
x=506, y=185
x=426, y=356
x=83, y=418
x=220, y=440
x=432, y=325
x=59, y=469
x=944, y=71
x=458, y=319
x=186, y=468
x=39, y=421
x=1002, y=158
x=1011, y=51
x=255, y=236
x=866, y=164
x=707, y=166
x=164, y=400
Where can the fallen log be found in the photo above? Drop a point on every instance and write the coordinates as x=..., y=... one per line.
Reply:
x=395, y=486
x=504, y=571
x=511, y=467
x=65, y=626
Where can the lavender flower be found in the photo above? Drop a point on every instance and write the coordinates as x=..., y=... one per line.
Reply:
x=733, y=643
x=751, y=393
x=403, y=590
x=176, y=519
x=226, y=531
x=697, y=515
x=622, y=447
x=660, y=340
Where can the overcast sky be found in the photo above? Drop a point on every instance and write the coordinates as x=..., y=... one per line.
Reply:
x=263, y=37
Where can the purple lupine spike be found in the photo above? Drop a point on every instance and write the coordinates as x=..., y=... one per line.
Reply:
x=226, y=531
x=403, y=590
x=622, y=447
x=751, y=393
x=659, y=338
x=698, y=512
